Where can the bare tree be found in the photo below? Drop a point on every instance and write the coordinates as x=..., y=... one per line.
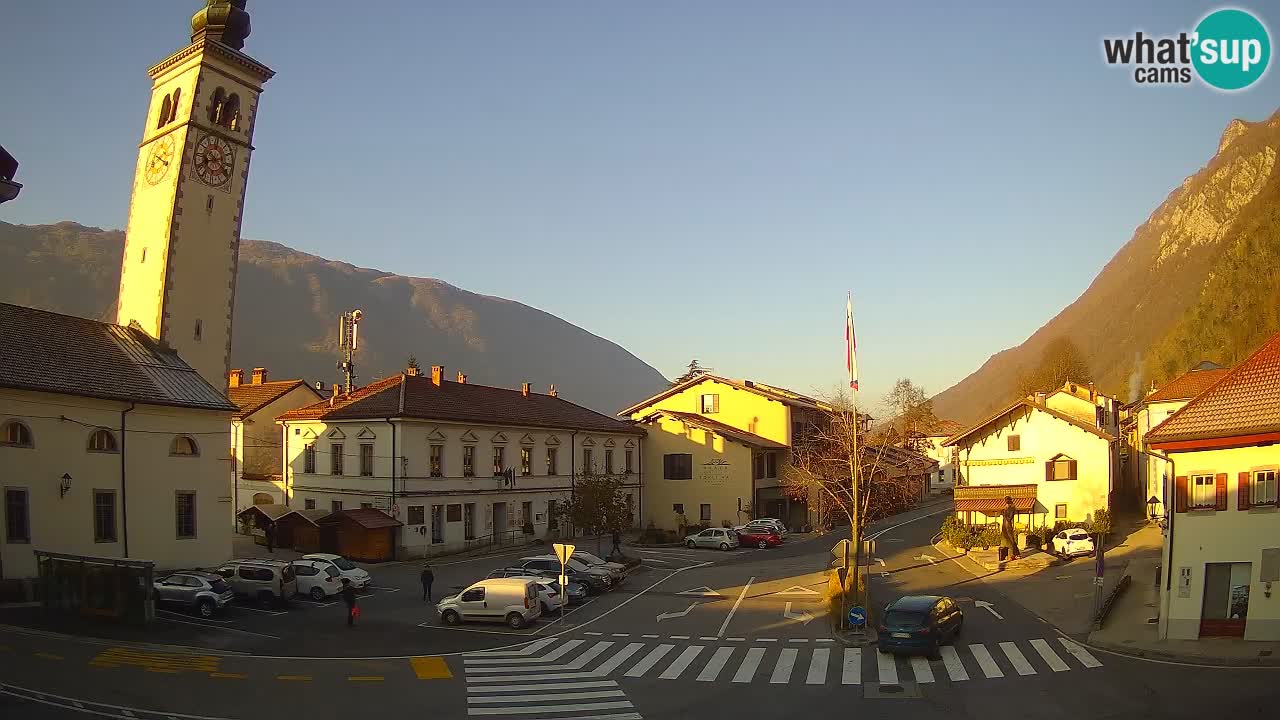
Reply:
x=913, y=415
x=1060, y=361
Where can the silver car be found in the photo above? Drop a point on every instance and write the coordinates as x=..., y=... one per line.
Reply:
x=722, y=538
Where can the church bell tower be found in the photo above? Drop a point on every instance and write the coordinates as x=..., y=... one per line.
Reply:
x=182, y=245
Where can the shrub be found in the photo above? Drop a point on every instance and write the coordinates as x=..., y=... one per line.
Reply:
x=956, y=533
x=989, y=536
x=1101, y=522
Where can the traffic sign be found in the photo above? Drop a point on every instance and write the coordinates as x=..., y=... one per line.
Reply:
x=838, y=551
x=857, y=616
x=564, y=582
x=563, y=551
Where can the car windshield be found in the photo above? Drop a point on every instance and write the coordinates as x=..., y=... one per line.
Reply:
x=344, y=564
x=587, y=557
x=219, y=586
x=904, y=619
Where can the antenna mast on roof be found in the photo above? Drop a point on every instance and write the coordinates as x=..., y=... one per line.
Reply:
x=348, y=335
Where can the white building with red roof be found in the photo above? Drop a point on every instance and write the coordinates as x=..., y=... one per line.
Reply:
x=1222, y=540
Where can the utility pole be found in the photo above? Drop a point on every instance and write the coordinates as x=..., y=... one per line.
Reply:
x=348, y=333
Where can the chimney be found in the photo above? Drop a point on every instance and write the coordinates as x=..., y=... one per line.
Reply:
x=437, y=374
x=1040, y=399
x=334, y=396
x=524, y=388
x=462, y=379
x=552, y=391
x=259, y=376
x=411, y=371
x=235, y=378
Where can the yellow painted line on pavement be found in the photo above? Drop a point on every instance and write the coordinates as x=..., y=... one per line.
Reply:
x=156, y=661
x=168, y=671
x=228, y=676
x=366, y=678
x=430, y=668
x=48, y=656
x=294, y=678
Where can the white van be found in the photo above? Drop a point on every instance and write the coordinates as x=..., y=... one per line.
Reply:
x=513, y=601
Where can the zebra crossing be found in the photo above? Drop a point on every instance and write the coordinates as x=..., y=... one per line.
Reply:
x=565, y=664
x=523, y=684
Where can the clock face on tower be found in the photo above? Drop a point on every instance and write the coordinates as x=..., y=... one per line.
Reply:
x=159, y=159
x=213, y=160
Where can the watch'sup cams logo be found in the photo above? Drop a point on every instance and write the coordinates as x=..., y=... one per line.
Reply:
x=1228, y=50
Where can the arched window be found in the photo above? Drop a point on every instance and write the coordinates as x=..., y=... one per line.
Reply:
x=216, y=106
x=184, y=445
x=263, y=499
x=173, y=111
x=231, y=113
x=165, y=108
x=16, y=435
x=101, y=440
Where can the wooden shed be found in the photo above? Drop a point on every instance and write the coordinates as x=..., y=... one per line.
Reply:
x=365, y=534
x=300, y=530
x=255, y=519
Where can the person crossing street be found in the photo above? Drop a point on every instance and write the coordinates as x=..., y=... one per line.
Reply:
x=427, y=578
x=349, y=597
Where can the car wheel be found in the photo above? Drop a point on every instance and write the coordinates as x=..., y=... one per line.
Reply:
x=317, y=593
x=691, y=544
x=515, y=621
x=206, y=608
x=763, y=544
x=450, y=617
x=724, y=546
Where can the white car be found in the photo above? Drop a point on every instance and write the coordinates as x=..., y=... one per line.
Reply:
x=548, y=597
x=513, y=601
x=1072, y=542
x=317, y=579
x=359, y=578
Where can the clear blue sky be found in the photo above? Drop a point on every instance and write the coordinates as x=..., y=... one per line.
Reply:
x=688, y=179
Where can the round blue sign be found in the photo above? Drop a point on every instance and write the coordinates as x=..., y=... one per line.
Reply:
x=857, y=616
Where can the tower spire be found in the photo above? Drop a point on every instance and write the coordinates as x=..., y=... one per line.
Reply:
x=224, y=21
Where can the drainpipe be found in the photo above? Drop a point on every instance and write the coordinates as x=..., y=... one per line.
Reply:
x=1162, y=629
x=124, y=493
x=284, y=428
x=235, y=481
x=393, y=482
x=573, y=473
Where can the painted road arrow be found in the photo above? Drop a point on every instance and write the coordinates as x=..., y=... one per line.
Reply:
x=932, y=560
x=881, y=561
x=987, y=605
x=703, y=591
x=796, y=590
x=686, y=611
x=802, y=616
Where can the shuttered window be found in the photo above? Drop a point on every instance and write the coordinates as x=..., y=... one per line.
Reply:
x=1204, y=492
x=677, y=466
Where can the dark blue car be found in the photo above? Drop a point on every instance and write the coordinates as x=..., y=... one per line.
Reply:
x=920, y=623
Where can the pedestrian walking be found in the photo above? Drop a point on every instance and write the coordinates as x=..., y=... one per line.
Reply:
x=349, y=597
x=617, y=544
x=427, y=578
x=270, y=533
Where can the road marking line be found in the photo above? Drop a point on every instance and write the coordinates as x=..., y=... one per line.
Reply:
x=650, y=637
x=228, y=676
x=708, y=637
x=588, y=695
x=1080, y=653
x=1050, y=657
x=586, y=657
x=49, y=656
x=799, y=640
x=851, y=673
x=715, y=664
x=887, y=668
x=920, y=668
x=824, y=640
x=1017, y=659
x=430, y=668
x=736, y=639
x=677, y=668
x=679, y=637
x=545, y=676
x=782, y=669
x=552, y=709
x=747, y=669
x=955, y=668
x=646, y=664
x=725, y=625
x=621, y=635
x=529, y=649
x=543, y=686
x=766, y=639
x=298, y=678
x=818, y=667
x=985, y=661
x=559, y=652
x=593, y=634
x=618, y=658
x=366, y=678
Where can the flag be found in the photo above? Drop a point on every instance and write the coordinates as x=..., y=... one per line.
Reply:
x=851, y=345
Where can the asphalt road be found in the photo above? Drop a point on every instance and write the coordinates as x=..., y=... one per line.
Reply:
x=691, y=634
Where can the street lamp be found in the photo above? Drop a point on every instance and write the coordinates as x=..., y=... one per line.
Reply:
x=1152, y=503
x=65, y=486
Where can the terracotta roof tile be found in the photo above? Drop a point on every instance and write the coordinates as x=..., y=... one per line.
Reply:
x=1031, y=404
x=369, y=518
x=252, y=398
x=989, y=499
x=782, y=395
x=50, y=352
x=720, y=428
x=1244, y=401
x=946, y=428
x=418, y=397
x=1186, y=386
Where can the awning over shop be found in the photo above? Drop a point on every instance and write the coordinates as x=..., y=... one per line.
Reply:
x=989, y=499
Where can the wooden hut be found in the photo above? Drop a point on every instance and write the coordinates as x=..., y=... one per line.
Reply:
x=255, y=519
x=300, y=530
x=365, y=534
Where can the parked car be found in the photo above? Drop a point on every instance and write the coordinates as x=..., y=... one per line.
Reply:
x=722, y=538
x=317, y=579
x=359, y=578
x=203, y=592
x=1073, y=542
x=616, y=569
x=920, y=623
x=513, y=601
x=576, y=592
x=759, y=536
x=772, y=523
x=548, y=588
x=269, y=582
x=596, y=579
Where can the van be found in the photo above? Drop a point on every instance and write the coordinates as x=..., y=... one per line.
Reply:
x=513, y=601
x=268, y=582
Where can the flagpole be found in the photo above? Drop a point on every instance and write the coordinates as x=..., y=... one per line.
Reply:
x=855, y=537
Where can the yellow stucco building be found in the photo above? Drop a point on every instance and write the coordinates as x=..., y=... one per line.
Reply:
x=716, y=450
